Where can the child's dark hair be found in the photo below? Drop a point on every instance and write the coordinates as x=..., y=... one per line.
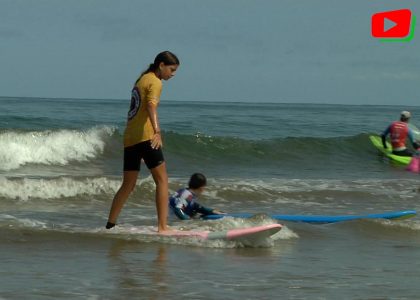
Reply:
x=165, y=57
x=197, y=181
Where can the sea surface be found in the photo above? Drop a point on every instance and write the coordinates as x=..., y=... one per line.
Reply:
x=61, y=164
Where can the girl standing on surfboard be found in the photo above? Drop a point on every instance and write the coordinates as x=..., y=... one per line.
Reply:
x=142, y=138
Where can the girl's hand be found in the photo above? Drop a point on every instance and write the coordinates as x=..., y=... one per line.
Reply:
x=156, y=141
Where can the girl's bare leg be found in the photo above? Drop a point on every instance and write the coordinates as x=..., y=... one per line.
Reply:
x=127, y=186
x=161, y=180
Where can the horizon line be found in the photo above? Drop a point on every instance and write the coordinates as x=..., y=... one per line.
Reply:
x=209, y=101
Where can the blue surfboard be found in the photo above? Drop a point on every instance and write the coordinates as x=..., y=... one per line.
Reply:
x=319, y=219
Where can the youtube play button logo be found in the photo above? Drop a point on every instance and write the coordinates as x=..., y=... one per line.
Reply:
x=393, y=25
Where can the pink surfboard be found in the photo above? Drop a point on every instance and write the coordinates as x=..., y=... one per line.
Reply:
x=258, y=232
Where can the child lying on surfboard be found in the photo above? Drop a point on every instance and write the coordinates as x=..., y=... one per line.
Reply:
x=183, y=203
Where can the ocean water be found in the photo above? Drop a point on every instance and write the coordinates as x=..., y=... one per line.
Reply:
x=61, y=164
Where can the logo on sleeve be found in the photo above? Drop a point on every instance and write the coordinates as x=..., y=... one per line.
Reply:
x=135, y=103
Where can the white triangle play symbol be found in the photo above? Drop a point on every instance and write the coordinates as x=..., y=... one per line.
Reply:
x=388, y=24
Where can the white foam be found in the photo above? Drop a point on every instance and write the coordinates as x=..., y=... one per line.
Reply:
x=22, y=222
x=25, y=189
x=409, y=224
x=51, y=147
x=29, y=188
x=403, y=188
x=285, y=234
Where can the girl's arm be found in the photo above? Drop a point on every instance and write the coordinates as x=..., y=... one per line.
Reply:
x=152, y=111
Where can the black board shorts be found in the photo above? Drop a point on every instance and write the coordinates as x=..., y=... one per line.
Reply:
x=134, y=154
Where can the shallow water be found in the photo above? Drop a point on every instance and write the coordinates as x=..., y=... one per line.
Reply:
x=60, y=165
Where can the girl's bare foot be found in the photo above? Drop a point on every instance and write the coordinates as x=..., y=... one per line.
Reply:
x=167, y=229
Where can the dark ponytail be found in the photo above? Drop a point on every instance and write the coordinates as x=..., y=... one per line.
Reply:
x=165, y=57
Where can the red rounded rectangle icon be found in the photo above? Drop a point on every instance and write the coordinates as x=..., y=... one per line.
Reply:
x=391, y=24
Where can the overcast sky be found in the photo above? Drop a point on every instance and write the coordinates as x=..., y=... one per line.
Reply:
x=318, y=51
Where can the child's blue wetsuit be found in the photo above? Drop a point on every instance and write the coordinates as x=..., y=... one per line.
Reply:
x=184, y=205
